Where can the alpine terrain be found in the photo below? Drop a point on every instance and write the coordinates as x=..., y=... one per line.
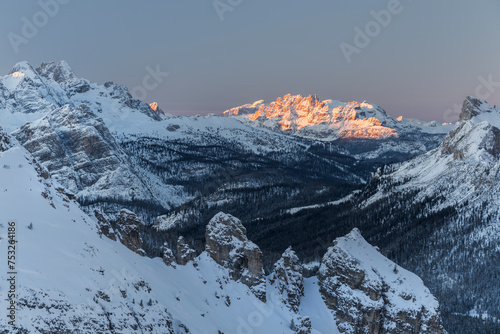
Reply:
x=295, y=216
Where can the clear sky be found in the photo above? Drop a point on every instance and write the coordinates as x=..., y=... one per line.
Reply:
x=419, y=62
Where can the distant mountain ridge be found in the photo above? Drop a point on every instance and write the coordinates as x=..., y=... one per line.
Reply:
x=365, y=130
x=330, y=119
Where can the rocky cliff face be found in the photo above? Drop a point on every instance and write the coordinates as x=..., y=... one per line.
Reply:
x=301, y=114
x=288, y=279
x=228, y=245
x=78, y=149
x=74, y=145
x=477, y=131
x=128, y=227
x=472, y=107
x=168, y=256
x=5, y=141
x=104, y=225
x=328, y=120
x=185, y=253
x=370, y=294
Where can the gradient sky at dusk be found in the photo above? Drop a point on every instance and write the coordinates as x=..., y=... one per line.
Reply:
x=428, y=58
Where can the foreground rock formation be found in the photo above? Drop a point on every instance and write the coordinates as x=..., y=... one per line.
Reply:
x=229, y=246
x=128, y=230
x=370, y=294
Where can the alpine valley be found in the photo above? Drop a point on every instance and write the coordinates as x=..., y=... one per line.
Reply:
x=292, y=216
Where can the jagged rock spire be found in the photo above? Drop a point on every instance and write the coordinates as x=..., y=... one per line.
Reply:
x=229, y=246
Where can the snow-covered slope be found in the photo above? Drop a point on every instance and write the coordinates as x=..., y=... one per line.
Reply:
x=332, y=120
x=371, y=294
x=449, y=198
x=71, y=278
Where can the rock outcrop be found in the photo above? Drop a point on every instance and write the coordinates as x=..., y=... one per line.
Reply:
x=74, y=145
x=228, y=245
x=472, y=106
x=168, y=256
x=287, y=278
x=5, y=142
x=302, y=325
x=185, y=253
x=128, y=227
x=104, y=225
x=477, y=131
x=370, y=294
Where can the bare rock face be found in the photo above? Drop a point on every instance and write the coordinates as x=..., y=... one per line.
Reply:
x=74, y=145
x=168, y=256
x=185, y=253
x=156, y=108
x=228, y=245
x=302, y=325
x=104, y=225
x=370, y=294
x=128, y=231
x=472, y=107
x=5, y=142
x=288, y=279
x=472, y=134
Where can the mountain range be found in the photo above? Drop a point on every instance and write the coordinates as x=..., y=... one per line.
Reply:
x=137, y=210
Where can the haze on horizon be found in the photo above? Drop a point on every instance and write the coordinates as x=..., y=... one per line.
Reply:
x=420, y=62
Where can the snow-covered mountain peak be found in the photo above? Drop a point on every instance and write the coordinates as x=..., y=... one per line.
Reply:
x=27, y=94
x=226, y=228
x=59, y=72
x=329, y=119
x=22, y=75
x=367, y=290
x=477, y=135
x=355, y=235
x=23, y=68
x=478, y=111
x=464, y=165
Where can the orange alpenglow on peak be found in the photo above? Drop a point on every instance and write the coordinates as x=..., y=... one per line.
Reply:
x=17, y=75
x=154, y=106
x=301, y=114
